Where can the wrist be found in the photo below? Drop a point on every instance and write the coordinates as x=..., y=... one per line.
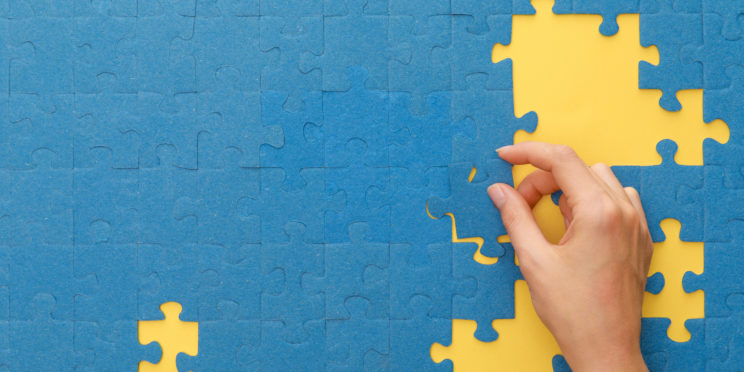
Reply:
x=609, y=361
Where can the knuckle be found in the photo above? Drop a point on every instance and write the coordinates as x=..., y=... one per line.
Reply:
x=564, y=151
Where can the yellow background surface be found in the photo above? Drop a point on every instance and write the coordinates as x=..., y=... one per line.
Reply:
x=584, y=88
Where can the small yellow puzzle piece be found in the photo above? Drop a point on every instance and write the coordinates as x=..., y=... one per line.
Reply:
x=673, y=258
x=173, y=335
x=524, y=343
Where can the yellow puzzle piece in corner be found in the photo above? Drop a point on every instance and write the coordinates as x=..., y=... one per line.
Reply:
x=174, y=336
x=584, y=88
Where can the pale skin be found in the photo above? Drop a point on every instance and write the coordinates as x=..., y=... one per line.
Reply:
x=588, y=288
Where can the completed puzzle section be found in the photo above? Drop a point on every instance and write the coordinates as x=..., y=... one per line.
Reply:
x=300, y=186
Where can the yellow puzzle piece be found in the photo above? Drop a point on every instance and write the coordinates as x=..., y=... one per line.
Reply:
x=673, y=258
x=173, y=335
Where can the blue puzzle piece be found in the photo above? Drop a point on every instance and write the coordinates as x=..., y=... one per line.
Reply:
x=471, y=53
x=290, y=38
x=492, y=113
x=283, y=298
x=731, y=12
x=716, y=53
x=358, y=113
x=349, y=339
x=725, y=103
x=420, y=71
x=679, y=356
x=355, y=268
x=303, y=134
x=367, y=193
x=276, y=206
x=674, y=191
x=112, y=344
x=722, y=204
x=167, y=273
x=474, y=212
x=494, y=297
x=231, y=282
x=46, y=341
x=655, y=283
x=411, y=339
x=425, y=269
x=221, y=338
x=412, y=187
x=723, y=336
x=670, y=30
x=347, y=27
x=415, y=135
x=38, y=123
x=720, y=272
x=274, y=354
x=608, y=9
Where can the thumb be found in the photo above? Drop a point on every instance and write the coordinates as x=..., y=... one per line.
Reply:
x=518, y=219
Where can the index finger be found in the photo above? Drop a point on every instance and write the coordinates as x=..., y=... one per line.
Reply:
x=570, y=172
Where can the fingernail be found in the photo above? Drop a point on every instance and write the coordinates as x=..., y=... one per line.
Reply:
x=497, y=195
x=502, y=148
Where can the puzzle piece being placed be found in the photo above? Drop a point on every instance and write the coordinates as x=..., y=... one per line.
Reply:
x=474, y=212
x=174, y=336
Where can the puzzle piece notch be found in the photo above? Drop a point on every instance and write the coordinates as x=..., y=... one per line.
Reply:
x=725, y=103
x=169, y=332
x=678, y=356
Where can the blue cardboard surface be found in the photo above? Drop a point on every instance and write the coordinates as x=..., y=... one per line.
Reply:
x=268, y=165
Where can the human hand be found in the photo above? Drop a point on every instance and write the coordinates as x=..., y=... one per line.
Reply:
x=588, y=288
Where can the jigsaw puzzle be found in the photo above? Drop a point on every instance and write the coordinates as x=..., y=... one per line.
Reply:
x=266, y=171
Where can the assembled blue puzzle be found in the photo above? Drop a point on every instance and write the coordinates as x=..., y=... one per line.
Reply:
x=289, y=172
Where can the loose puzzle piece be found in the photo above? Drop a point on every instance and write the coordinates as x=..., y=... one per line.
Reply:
x=670, y=30
x=473, y=210
x=169, y=332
